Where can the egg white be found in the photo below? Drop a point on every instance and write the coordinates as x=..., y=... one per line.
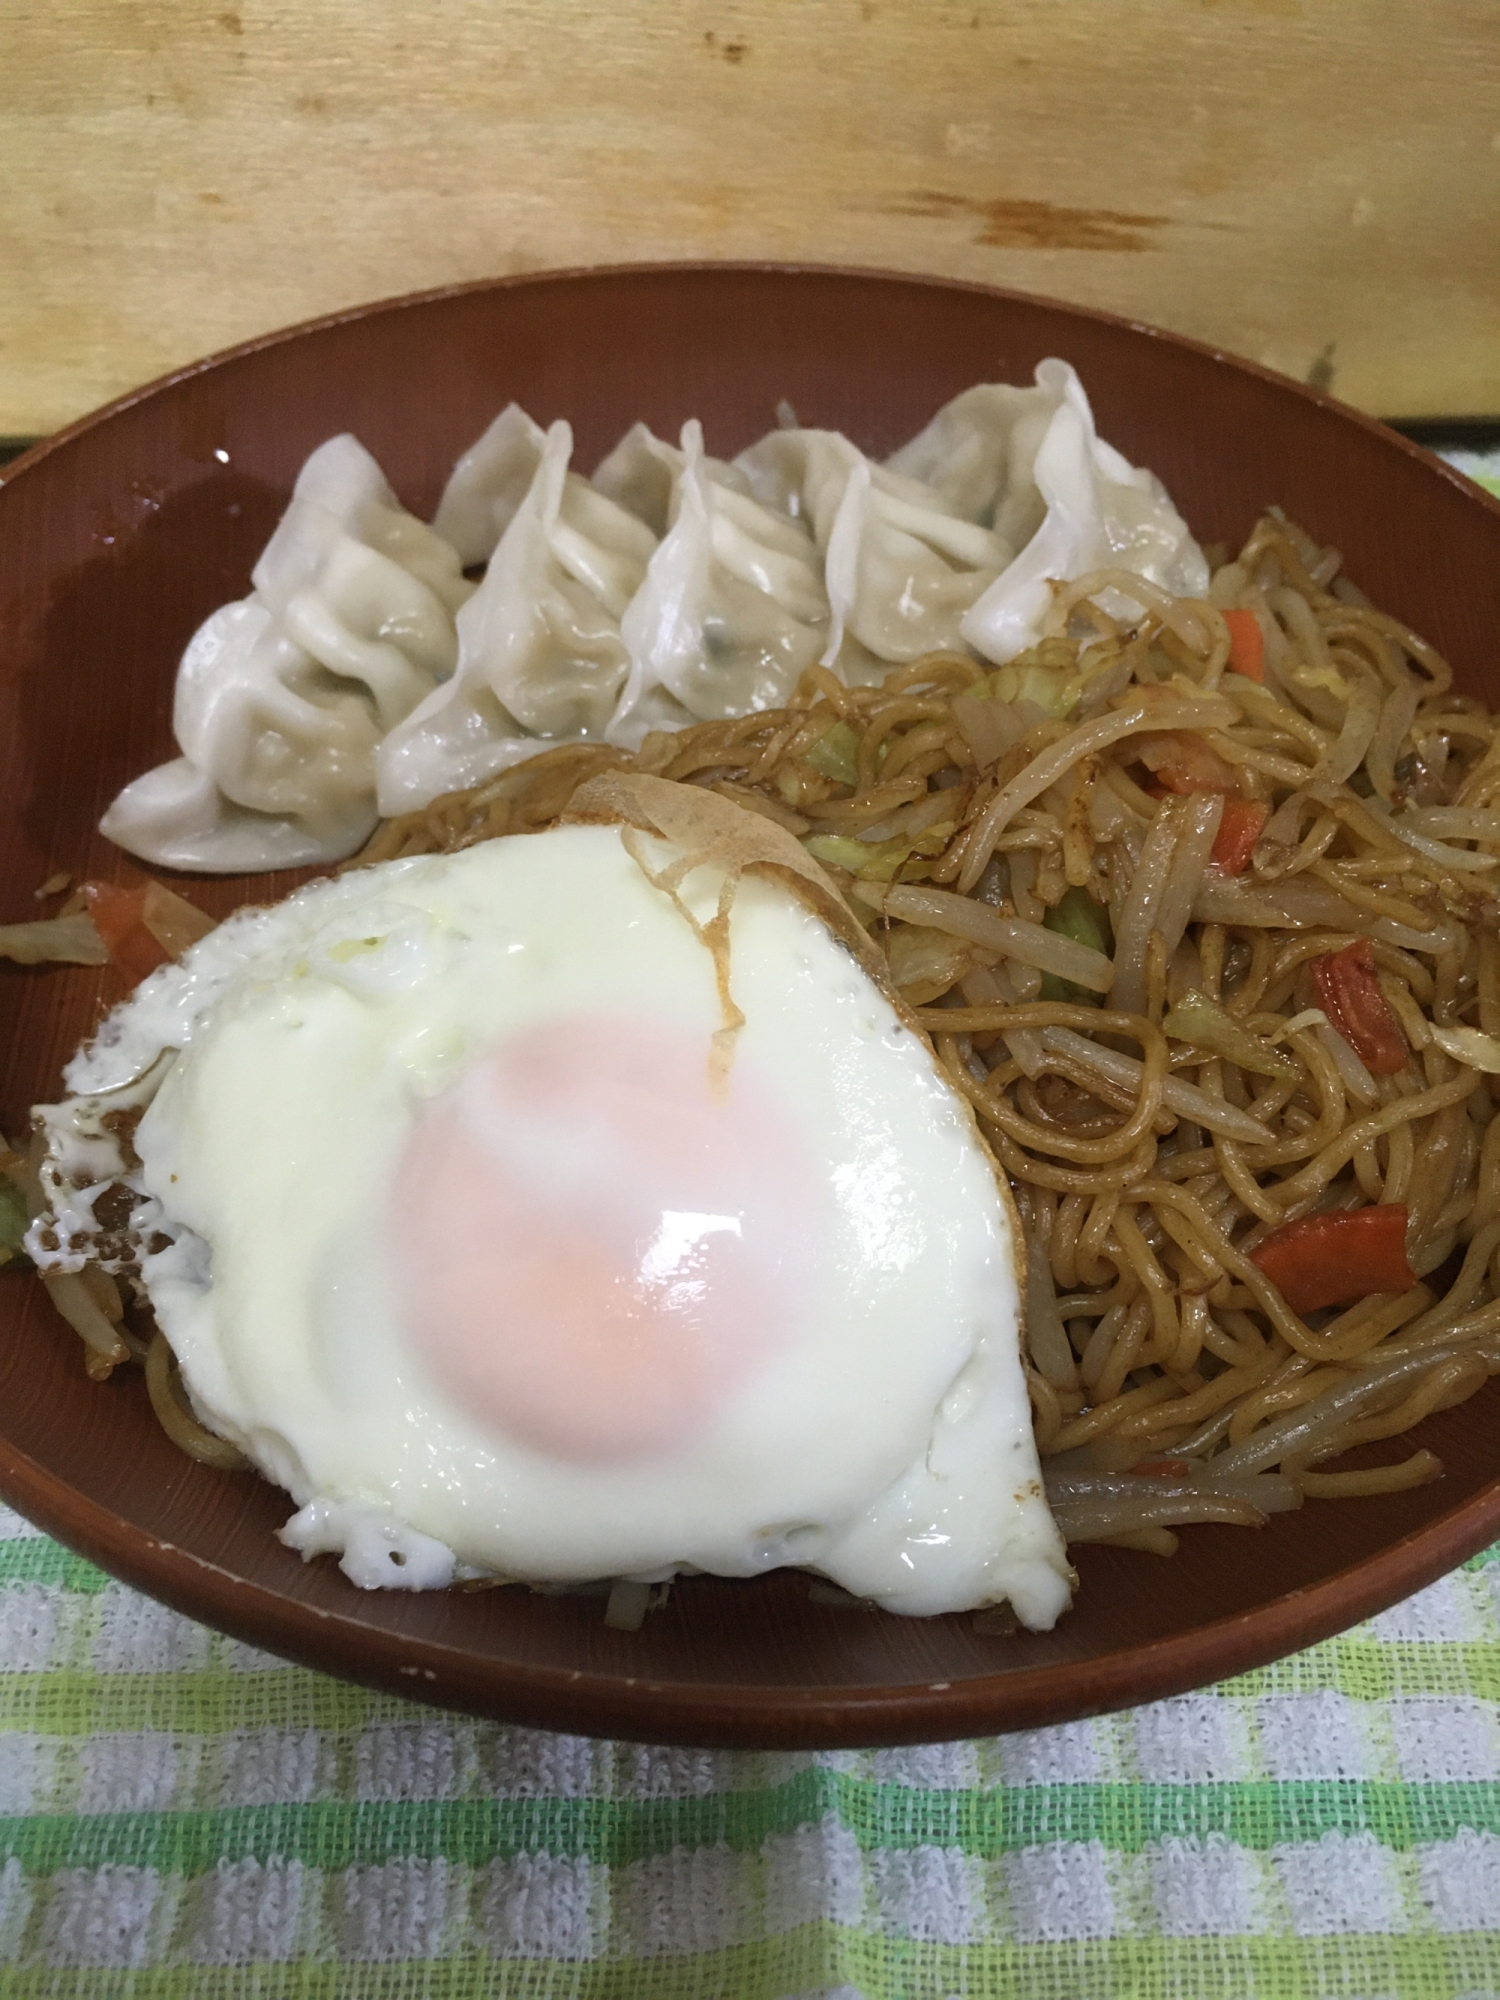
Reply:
x=885, y=1441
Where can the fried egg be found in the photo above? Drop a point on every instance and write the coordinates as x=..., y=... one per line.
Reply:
x=475, y=1227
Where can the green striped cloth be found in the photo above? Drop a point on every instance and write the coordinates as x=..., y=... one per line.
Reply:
x=189, y=1819
x=1483, y=467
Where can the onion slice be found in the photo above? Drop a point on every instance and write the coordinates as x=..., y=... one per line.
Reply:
x=1299, y=905
x=1009, y=937
x=1469, y=1046
x=70, y=940
x=1185, y=1099
x=1043, y=772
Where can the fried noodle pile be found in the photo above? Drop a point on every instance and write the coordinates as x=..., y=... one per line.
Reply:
x=1200, y=913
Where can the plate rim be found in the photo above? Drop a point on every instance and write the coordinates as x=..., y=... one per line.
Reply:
x=771, y=267
x=724, y=1715
x=720, y=1714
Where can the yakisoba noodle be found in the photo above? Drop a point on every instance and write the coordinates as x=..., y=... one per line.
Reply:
x=1164, y=1107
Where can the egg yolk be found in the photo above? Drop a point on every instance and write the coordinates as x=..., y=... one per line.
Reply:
x=592, y=1245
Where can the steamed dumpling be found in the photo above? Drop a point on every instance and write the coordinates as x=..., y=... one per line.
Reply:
x=342, y=496
x=643, y=471
x=277, y=764
x=541, y=657
x=733, y=608
x=488, y=484
x=901, y=565
x=1097, y=511
x=282, y=697
x=978, y=452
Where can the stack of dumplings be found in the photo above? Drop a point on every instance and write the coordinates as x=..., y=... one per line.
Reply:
x=364, y=676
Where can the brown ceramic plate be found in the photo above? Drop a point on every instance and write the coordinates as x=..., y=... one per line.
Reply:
x=119, y=536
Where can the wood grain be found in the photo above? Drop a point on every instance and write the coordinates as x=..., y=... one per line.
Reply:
x=1314, y=186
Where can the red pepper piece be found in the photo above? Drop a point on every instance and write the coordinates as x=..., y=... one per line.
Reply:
x=1350, y=995
x=1243, y=824
x=1332, y=1260
x=118, y=918
x=1247, y=644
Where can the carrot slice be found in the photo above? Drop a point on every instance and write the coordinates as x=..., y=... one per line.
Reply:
x=144, y=927
x=1243, y=824
x=1247, y=644
x=1349, y=994
x=117, y=918
x=1332, y=1260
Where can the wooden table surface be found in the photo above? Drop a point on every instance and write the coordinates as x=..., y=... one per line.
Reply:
x=1312, y=183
